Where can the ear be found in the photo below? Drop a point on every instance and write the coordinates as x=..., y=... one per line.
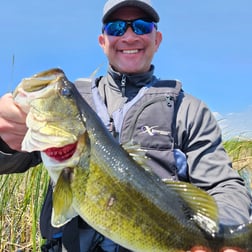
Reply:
x=101, y=41
x=158, y=39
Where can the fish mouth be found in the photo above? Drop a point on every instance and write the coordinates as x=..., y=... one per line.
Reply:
x=61, y=153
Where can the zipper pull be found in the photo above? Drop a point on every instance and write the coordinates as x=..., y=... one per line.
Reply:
x=123, y=84
x=169, y=100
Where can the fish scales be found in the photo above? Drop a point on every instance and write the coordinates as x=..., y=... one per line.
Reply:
x=105, y=186
x=137, y=215
x=133, y=189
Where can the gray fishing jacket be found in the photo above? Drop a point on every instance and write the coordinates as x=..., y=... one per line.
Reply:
x=198, y=144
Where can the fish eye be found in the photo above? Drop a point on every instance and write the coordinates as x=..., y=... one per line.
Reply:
x=64, y=88
x=64, y=91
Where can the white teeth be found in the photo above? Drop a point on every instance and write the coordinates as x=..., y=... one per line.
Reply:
x=130, y=51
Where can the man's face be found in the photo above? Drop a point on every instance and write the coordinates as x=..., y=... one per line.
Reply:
x=130, y=53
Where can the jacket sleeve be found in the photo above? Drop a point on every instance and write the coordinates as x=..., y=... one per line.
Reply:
x=209, y=166
x=16, y=162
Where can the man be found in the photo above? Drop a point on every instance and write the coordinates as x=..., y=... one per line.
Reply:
x=130, y=39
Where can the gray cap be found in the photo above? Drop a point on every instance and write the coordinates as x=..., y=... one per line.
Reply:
x=145, y=5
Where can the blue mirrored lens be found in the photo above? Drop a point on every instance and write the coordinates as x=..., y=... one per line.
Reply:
x=141, y=27
x=119, y=27
x=115, y=28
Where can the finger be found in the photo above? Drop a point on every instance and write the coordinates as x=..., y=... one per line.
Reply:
x=9, y=110
x=12, y=127
x=200, y=249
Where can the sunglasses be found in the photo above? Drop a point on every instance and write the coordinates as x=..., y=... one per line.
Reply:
x=119, y=27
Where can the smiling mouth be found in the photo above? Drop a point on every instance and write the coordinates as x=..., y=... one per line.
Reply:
x=130, y=51
x=61, y=153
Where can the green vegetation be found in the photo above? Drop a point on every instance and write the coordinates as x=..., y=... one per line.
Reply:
x=241, y=156
x=240, y=153
x=22, y=196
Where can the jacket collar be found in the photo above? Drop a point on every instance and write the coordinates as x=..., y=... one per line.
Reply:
x=119, y=81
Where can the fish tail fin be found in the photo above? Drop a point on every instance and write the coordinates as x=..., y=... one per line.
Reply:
x=238, y=237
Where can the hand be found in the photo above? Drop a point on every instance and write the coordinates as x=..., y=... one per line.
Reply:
x=202, y=249
x=233, y=250
x=199, y=249
x=12, y=122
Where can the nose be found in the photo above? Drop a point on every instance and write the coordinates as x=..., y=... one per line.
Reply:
x=130, y=34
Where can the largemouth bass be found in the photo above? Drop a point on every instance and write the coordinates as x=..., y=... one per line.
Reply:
x=100, y=181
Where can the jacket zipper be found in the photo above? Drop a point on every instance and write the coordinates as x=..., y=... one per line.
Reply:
x=123, y=84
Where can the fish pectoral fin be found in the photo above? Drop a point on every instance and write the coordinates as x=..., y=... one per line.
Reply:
x=61, y=219
x=204, y=210
x=63, y=211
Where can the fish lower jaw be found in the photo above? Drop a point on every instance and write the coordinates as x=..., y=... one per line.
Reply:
x=61, y=153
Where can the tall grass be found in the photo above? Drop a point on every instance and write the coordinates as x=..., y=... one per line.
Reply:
x=241, y=156
x=21, y=198
x=240, y=153
x=22, y=195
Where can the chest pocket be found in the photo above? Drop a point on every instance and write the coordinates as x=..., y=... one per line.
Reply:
x=149, y=123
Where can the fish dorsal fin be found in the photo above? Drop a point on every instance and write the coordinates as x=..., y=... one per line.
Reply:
x=63, y=211
x=203, y=206
x=137, y=154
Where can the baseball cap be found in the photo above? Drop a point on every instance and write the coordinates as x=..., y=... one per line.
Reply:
x=145, y=5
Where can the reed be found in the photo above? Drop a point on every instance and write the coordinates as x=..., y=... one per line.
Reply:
x=21, y=199
x=240, y=153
